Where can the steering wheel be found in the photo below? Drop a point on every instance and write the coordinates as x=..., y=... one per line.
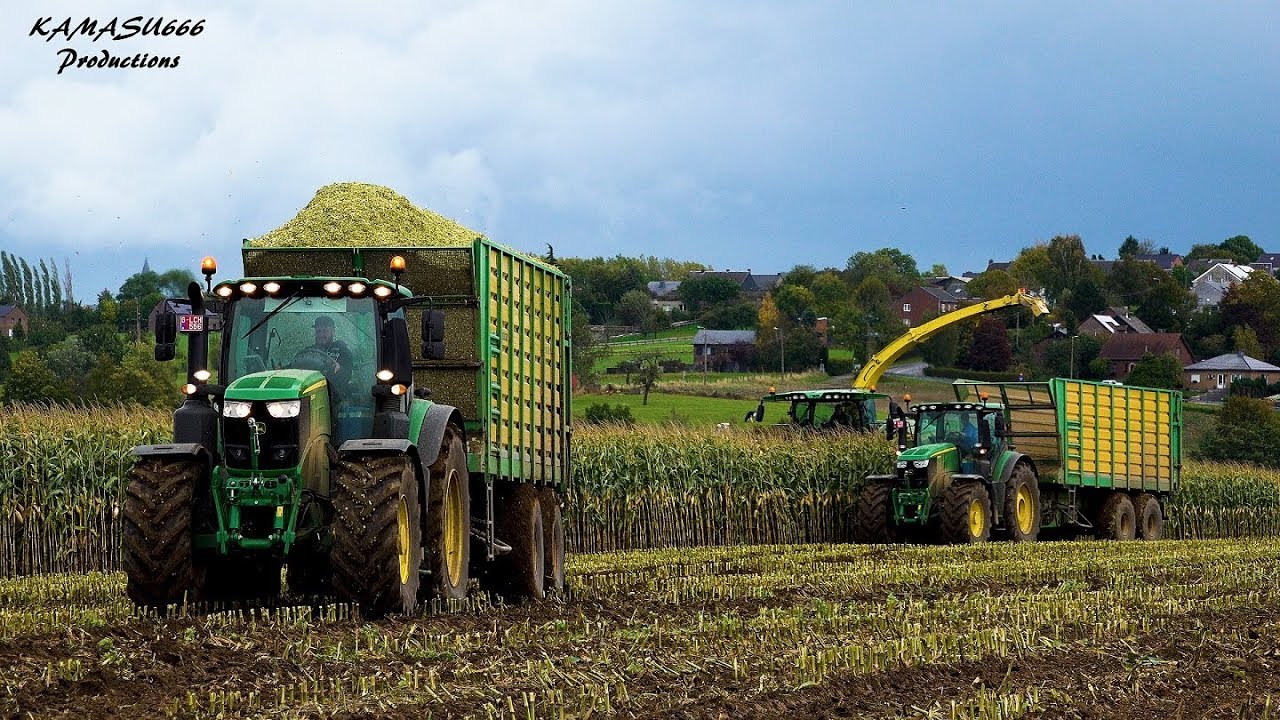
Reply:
x=313, y=359
x=955, y=438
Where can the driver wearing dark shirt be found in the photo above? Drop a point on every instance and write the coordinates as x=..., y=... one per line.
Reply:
x=340, y=372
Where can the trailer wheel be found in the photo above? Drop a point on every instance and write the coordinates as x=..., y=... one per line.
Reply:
x=873, y=522
x=1022, y=504
x=1150, y=517
x=449, y=520
x=553, y=539
x=156, y=540
x=377, y=533
x=1116, y=520
x=966, y=514
x=521, y=573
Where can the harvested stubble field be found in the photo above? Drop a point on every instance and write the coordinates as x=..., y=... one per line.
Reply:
x=1068, y=629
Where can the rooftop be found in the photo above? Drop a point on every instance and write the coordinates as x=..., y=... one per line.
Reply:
x=724, y=337
x=1237, y=361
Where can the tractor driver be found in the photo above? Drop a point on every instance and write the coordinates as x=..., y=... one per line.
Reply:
x=338, y=370
x=968, y=432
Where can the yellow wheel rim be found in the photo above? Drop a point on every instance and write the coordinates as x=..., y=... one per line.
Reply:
x=402, y=526
x=454, y=527
x=1025, y=509
x=977, y=518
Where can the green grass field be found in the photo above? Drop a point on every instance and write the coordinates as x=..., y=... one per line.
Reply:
x=662, y=408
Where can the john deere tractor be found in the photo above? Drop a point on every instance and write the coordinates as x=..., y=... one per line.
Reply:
x=317, y=443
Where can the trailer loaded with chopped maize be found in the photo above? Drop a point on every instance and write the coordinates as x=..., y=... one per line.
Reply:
x=324, y=447
x=1013, y=458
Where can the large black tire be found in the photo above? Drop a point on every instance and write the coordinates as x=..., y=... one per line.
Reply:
x=966, y=514
x=156, y=538
x=1116, y=520
x=1146, y=508
x=377, y=534
x=448, y=531
x=873, y=521
x=553, y=539
x=521, y=573
x=1022, y=504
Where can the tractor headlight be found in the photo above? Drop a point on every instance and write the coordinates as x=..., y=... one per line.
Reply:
x=902, y=464
x=921, y=464
x=236, y=409
x=284, y=408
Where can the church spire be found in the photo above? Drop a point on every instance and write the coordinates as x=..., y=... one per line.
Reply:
x=146, y=264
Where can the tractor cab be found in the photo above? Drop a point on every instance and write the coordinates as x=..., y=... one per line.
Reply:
x=826, y=410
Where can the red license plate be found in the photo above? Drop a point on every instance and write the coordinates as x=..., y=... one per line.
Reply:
x=191, y=323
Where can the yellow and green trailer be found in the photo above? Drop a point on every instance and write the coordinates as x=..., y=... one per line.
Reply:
x=1011, y=459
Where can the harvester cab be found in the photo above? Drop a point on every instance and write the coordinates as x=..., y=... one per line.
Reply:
x=826, y=410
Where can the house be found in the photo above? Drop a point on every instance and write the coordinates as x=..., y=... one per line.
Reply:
x=751, y=285
x=1267, y=261
x=1114, y=320
x=1123, y=350
x=724, y=350
x=926, y=301
x=957, y=286
x=1103, y=265
x=1198, y=266
x=1213, y=283
x=665, y=294
x=1166, y=261
x=1217, y=373
x=12, y=316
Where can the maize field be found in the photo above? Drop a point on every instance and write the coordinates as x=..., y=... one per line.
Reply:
x=62, y=478
x=1057, y=629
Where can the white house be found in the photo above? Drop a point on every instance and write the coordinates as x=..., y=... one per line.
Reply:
x=1212, y=284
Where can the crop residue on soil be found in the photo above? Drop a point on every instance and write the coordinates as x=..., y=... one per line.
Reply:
x=355, y=214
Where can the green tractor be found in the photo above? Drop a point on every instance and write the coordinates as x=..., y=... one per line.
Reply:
x=327, y=450
x=957, y=478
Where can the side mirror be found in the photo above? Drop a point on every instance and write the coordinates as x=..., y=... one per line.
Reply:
x=1000, y=428
x=166, y=336
x=433, y=334
x=759, y=417
x=395, y=351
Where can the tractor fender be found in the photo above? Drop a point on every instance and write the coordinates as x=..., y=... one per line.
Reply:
x=176, y=450
x=431, y=435
x=1001, y=483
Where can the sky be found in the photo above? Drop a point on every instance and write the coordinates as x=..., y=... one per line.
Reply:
x=744, y=135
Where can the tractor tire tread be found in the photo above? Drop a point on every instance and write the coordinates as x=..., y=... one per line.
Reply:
x=156, y=533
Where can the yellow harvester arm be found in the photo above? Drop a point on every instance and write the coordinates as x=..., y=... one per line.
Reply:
x=881, y=361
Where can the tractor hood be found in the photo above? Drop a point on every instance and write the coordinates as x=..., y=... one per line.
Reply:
x=926, y=452
x=276, y=385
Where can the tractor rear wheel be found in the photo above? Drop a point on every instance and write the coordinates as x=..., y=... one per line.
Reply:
x=377, y=533
x=448, y=546
x=521, y=573
x=156, y=538
x=873, y=522
x=1150, y=518
x=966, y=514
x=553, y=539
x=1022, y=504
x=1116, y=520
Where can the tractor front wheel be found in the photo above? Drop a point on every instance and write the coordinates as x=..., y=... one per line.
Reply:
x=377, y=534
x=157, y=530
x=1117, y=521
x=966, y=514
x=873, y=522
x=1150, y=518
x=449, y=520
x=1022, y=504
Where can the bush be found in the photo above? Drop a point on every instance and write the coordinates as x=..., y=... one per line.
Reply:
x=986, y=375
x=604, y=413
x=1247, y=430
x=841, y=366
